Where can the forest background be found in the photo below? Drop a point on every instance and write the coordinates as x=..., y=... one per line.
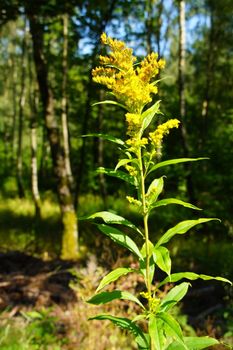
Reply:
x=48, y=50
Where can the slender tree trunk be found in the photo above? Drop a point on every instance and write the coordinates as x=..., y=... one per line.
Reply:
x=69, y=218
x=22, y=97
x=65, y=129
x=182, y=101
x=45, y=153
x=33, y=129
x=14, y=104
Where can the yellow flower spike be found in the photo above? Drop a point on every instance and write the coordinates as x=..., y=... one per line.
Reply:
x=163, y=129
x=131, y=86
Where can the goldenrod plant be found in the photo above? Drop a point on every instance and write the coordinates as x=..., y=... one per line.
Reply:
x=133, y=85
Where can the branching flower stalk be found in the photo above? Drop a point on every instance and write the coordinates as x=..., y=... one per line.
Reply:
x=133, y=86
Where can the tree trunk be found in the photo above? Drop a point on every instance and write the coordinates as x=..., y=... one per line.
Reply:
x=22, y=97
x=65, y=129
x=33, y=128
x=182, y=101
x=68, y=214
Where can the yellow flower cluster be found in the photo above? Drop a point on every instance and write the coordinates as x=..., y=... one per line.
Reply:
x=152, y=301
x=136, y=143
x=134, y=122
x=131, y=86
x=132, y=171
x=163, y=129
x=134, y=201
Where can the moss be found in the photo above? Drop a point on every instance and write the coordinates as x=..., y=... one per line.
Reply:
x=69, y=236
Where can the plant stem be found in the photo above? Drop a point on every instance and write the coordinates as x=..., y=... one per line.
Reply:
x=145, y=221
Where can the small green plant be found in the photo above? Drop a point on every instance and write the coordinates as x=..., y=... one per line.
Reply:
x=133, y=85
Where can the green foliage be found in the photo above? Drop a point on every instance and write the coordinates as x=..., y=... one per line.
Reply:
x=37, y=331
x=163, y=331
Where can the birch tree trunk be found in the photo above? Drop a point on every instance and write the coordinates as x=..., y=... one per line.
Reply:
x=68, y=214
x=33, y=136
x=22, y=97
x=65, y=129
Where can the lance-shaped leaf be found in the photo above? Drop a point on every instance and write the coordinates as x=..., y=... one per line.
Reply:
x=167, y=201
x=127, y=324
x=174, y=161
x=162, y=259
x=106, y=137
x=154, y=190
x=120, y=238
x=111, y=218
x=148, y=115
x=174, y=296
x=122, y=162
x=181, y=228
x=113, y=276
x=175, y=277
x=156, y=333
x=194, y=343
x=110, y=102
x=172, y=327
x=119, y=174
x=106, y=297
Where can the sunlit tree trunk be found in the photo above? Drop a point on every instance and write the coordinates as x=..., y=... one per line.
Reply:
x=22, y=97
x=182, y=101
x=65, y=129
x=68, y=214
x=33, y=136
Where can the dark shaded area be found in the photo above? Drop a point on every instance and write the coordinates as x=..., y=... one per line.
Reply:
x=26, y=281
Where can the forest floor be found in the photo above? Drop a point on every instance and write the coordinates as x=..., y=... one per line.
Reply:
x=43, y=299
x=29, y=286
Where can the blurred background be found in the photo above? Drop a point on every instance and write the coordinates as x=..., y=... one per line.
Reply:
x=48, y=49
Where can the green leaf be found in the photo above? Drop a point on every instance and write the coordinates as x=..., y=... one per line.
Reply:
x=148, y=115
x=106, y=297
x=194, y=343
x=150, y=248
x=156, y=333
x=122, y=162
x=174, y=296
x=154, y=190
x=111, y=103
x=181, y=228
x=120, y=238
x=106, y=137
x=190, y=276
x=162, y=259
x=172, y=326
x=127, y=324
x=174, y=161
x=111, y=218
x=119, y=174
x=113, y=276
x=174, y=201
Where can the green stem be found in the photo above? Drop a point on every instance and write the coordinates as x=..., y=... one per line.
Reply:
x=145, y=221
